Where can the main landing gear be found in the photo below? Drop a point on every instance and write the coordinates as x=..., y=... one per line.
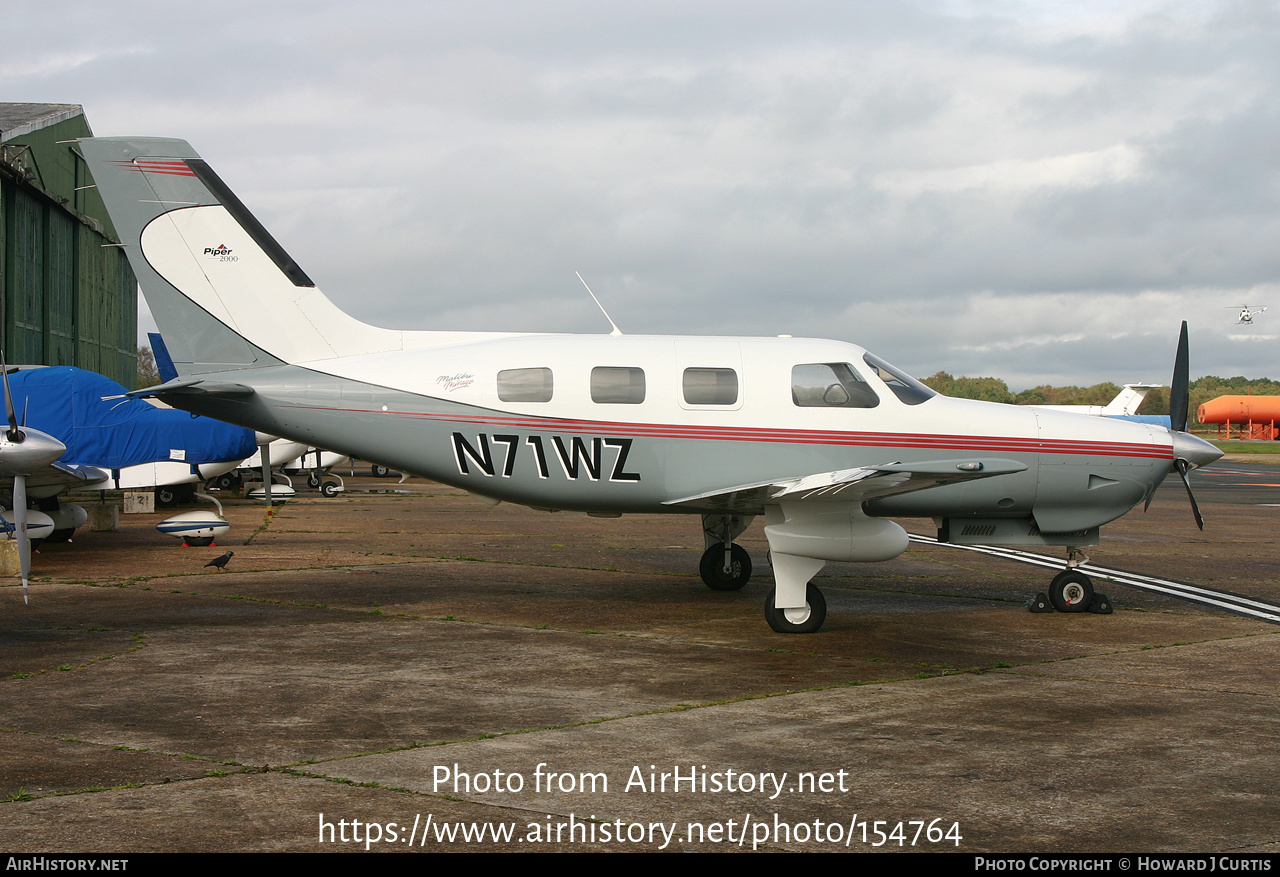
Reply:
x=805, y=620
x=725, y=566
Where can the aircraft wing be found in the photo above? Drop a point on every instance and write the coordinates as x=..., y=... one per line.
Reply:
x=849, y=485
x=58, y=477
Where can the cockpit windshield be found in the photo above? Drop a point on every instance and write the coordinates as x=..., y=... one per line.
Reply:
x=905, y=387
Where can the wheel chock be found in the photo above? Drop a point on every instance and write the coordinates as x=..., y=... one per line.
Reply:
x=1040, y=603
x=1101, y=605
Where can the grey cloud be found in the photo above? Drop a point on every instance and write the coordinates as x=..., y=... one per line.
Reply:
x=1026, y=190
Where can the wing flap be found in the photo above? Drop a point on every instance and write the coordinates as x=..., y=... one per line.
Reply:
x=855, y=485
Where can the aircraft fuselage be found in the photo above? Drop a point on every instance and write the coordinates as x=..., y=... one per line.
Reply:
x=437, y=412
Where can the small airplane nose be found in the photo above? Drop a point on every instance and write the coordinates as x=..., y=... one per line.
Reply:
x=37, y=449
x=1195, y=451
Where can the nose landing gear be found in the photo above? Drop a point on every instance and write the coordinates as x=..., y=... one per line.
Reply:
x=1072, y=590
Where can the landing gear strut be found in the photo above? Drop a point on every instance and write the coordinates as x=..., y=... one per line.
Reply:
x=1072, y=590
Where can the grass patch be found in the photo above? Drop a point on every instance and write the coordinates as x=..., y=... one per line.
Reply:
x=1253, y=447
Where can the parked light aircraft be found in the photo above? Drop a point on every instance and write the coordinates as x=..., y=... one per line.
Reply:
x=1125, y=404
x=25, y=452
x=822, y=438
x=131, y=444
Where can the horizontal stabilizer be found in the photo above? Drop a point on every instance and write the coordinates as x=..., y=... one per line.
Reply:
x=190, y=387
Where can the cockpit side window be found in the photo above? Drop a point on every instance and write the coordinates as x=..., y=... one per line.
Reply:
x=830, y=385
x=905, y=387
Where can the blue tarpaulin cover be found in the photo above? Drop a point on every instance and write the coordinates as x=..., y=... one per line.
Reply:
x=67, y=403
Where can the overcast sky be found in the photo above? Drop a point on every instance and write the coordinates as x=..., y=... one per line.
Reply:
x=1035, y=191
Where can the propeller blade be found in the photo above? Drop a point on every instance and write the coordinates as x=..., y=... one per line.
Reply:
x=15, y=434
x=20, y=524
x=1179, y=387
x=1183, y=468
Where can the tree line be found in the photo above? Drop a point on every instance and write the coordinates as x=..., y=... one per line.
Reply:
x=1156, y=402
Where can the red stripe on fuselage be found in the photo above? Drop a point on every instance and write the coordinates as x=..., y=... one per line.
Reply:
x=798, y=436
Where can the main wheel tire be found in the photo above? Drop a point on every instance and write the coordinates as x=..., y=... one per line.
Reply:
x=711, y=567
x=1071, y=591
x=329, y=489
x=313, y=480
x=229, y=481
x=379, y=471
x=166, y=496
x=806, y=620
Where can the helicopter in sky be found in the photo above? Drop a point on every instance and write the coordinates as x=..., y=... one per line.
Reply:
x=1247, y=315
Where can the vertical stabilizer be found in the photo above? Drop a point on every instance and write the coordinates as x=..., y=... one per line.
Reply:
x=1128, y=401
x=224, y=293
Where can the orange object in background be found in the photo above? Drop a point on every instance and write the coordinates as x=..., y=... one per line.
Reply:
x=1255, y=416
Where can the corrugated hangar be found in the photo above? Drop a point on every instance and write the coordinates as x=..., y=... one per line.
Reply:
x=69, y=296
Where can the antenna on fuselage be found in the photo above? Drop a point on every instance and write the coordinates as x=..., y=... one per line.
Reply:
x=616, y=331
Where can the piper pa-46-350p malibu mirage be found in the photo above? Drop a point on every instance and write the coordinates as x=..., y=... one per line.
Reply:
x=821, y=437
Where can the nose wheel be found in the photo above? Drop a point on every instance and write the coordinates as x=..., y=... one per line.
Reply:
x=1071, y=591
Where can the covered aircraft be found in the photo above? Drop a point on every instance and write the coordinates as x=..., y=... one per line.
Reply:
x=103, y=428
x=822, y=438
x=111, y=441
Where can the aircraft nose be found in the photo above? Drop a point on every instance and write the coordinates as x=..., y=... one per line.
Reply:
x=36, y=450
x=1194, y=450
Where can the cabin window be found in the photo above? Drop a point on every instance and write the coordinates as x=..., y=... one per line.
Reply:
x=710, y=386
x=830, y=385
x=525, y=385
x=617, y=385
x=905, y=387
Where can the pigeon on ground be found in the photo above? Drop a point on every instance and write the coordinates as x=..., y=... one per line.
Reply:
x=220, y=562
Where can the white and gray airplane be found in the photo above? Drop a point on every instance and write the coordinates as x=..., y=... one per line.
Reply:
x=822, y=438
